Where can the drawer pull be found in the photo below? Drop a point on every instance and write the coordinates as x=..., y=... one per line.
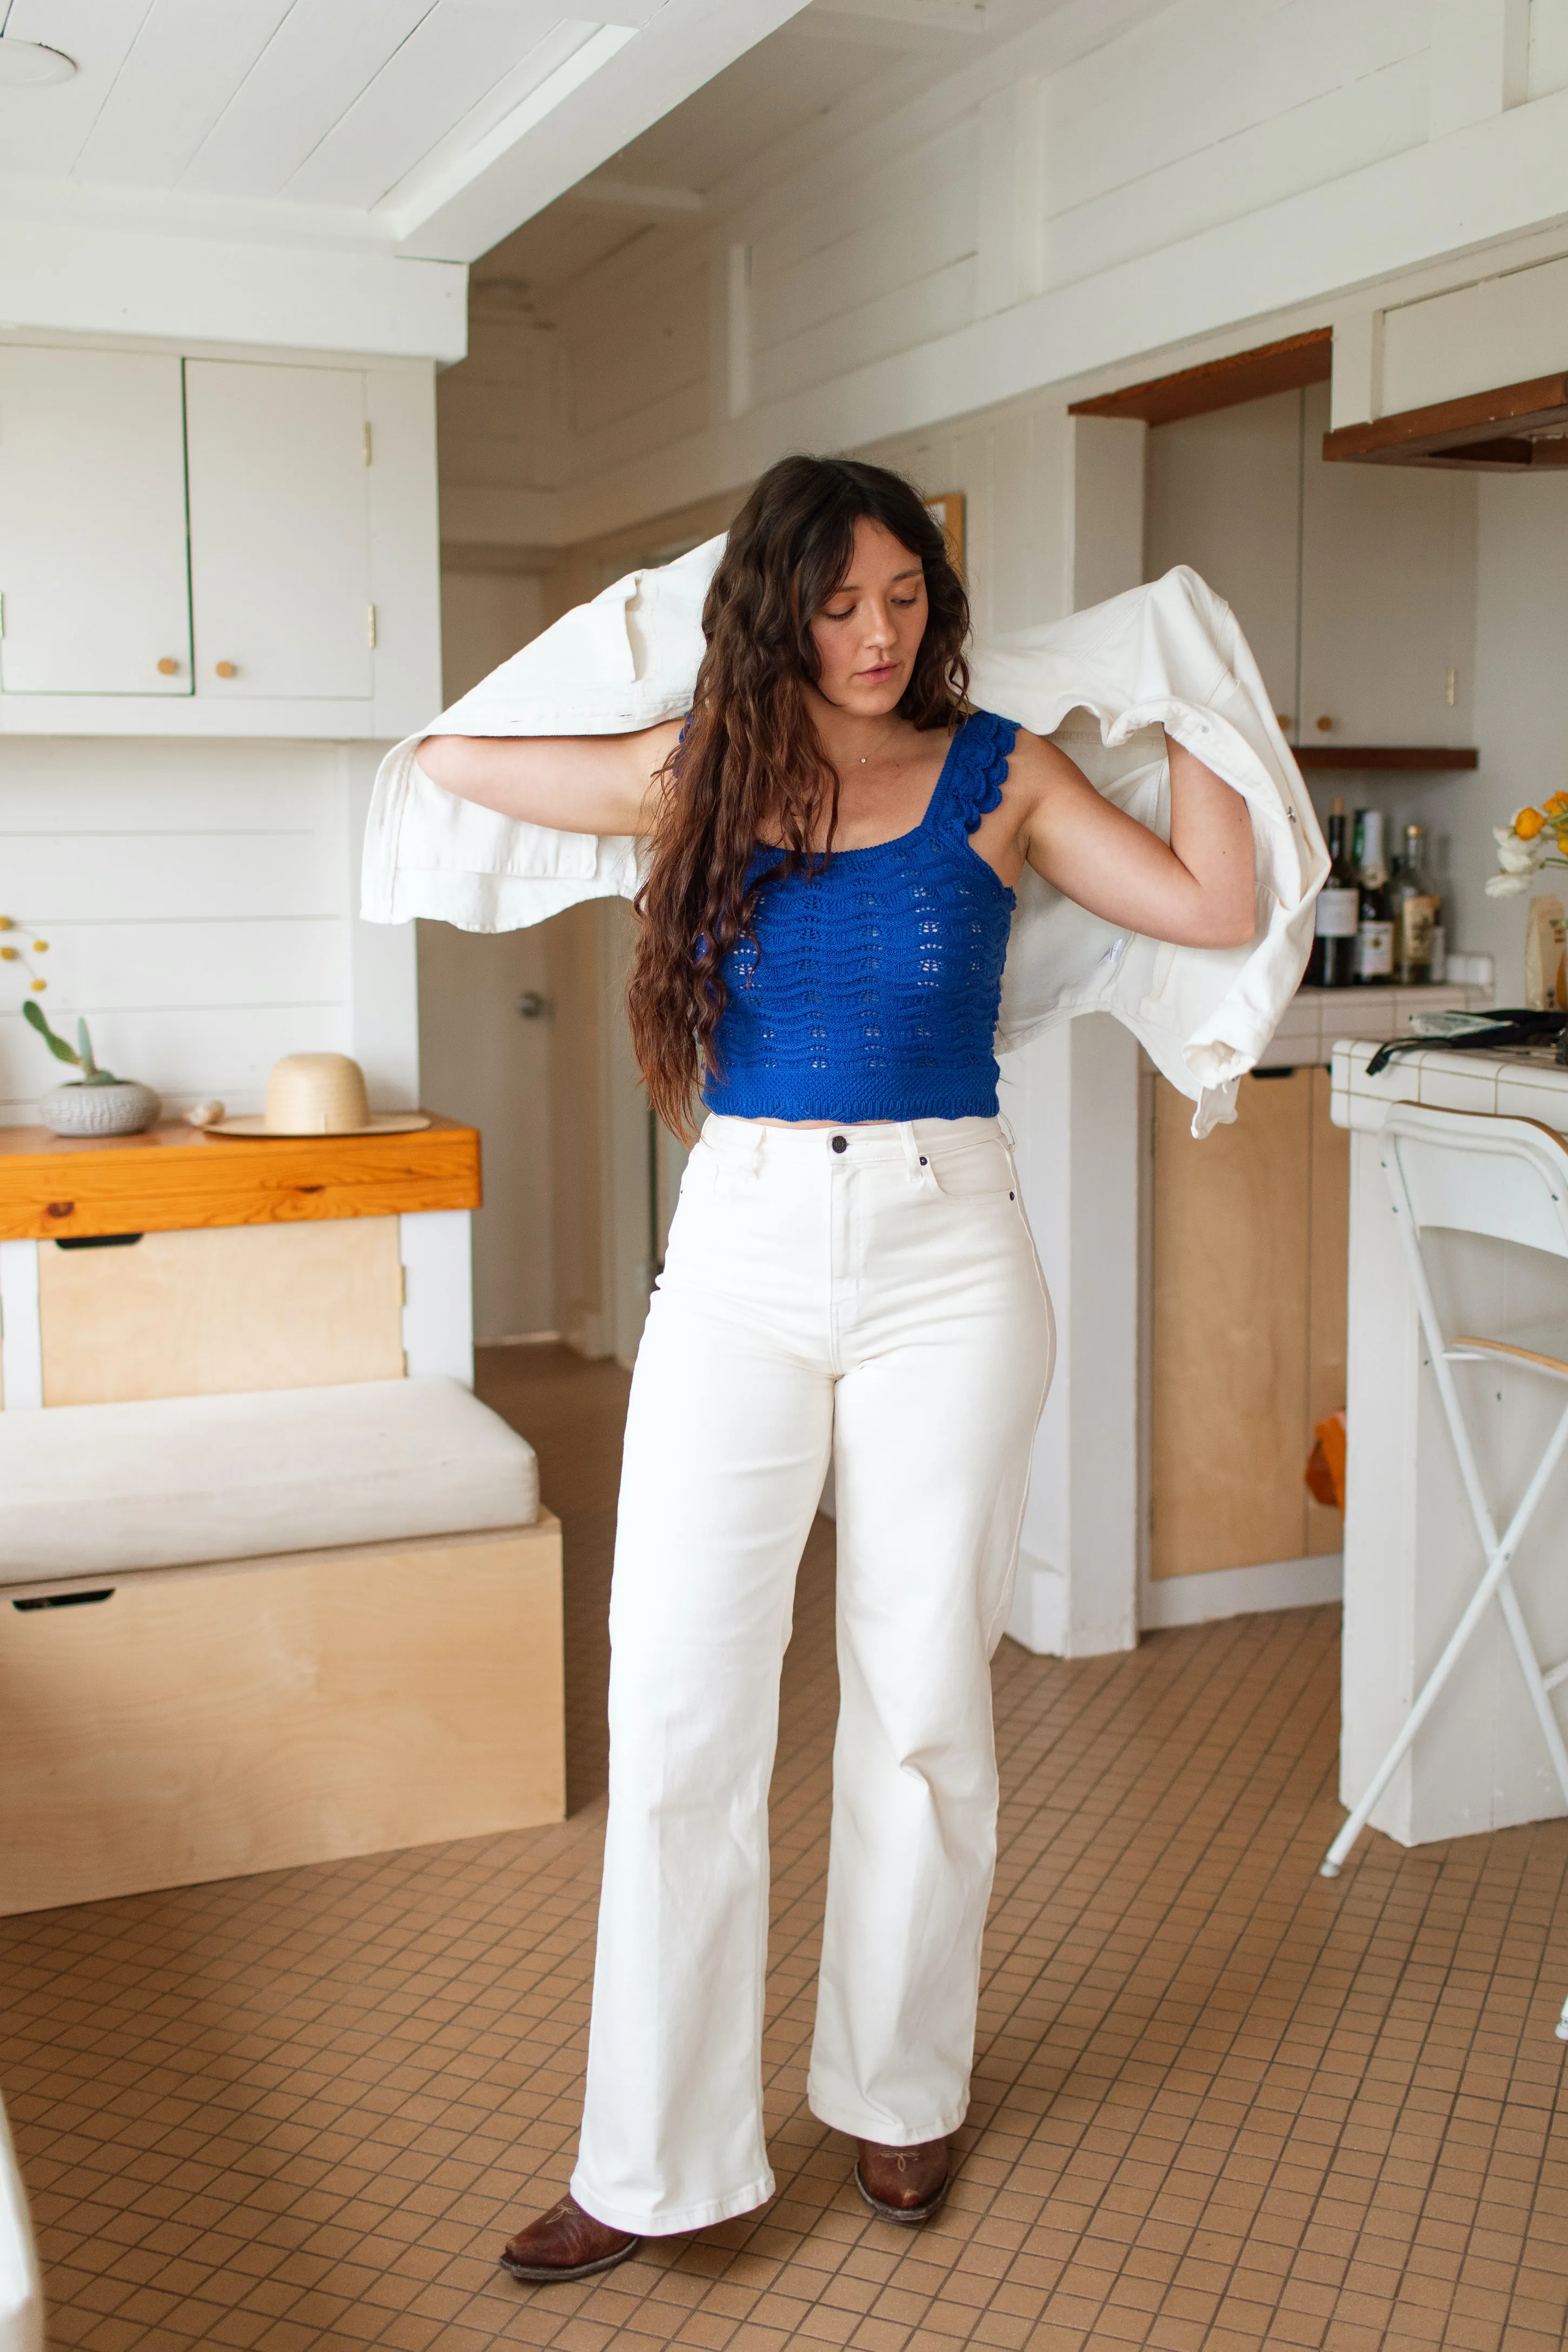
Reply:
x=64, y=1600
x=97, y=1241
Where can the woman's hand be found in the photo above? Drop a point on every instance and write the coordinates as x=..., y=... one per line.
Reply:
x=1197, y=891
x=578, y=783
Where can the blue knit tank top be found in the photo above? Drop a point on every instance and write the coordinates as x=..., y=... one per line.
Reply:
x=871, y=988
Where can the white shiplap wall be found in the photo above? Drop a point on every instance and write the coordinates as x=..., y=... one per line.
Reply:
x=1214, y=169
x=198, y=899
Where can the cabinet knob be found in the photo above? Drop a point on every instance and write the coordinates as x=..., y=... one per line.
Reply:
x=1325, y=725
x=168, y=667
x=225, y=669
x=1282, y=717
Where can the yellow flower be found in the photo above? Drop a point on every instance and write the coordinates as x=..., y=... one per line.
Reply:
x=5, y=922
x=40, y=986
x=1557, y=806
x=40, y=947
x=1528, y=822
x=9, y=955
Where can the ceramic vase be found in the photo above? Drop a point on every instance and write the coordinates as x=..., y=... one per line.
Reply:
x=121, y=1108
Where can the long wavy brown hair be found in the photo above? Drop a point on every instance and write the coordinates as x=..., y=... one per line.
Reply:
x=750, y=766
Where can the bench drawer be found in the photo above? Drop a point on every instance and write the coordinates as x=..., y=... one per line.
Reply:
x=204, y=1723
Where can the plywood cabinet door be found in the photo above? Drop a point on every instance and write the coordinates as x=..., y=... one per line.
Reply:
x=92, y=524
x=1249, y=1325
x=1388, y=568
x=279, y=530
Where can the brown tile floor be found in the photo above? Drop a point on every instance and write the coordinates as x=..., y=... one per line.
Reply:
x=1218, y=2103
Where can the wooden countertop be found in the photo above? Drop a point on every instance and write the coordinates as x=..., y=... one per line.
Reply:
x=58, y=1188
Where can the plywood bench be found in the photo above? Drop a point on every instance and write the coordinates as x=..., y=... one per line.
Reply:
x=241, y=1633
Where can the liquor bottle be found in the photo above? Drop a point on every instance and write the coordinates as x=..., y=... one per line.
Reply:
x=1374, y=924
x=1333, y=959
x=1412, y=904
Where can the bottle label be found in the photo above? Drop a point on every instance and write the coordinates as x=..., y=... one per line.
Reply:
x=1417, y=917
x=1375, y=951
x=1337, y=911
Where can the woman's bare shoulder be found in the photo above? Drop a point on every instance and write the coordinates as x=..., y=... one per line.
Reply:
x=1037, y=764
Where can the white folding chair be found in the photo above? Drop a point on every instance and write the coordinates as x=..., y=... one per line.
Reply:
x=1506, y=1178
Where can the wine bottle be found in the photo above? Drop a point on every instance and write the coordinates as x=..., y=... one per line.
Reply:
x=1333, y=960
x=1374, y=924
x=1412, y=904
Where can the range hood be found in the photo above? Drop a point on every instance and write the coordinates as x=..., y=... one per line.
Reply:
x=1516, y=428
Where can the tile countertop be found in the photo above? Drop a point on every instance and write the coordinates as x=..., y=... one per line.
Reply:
x=1513, y=1082
x=1316, y=1019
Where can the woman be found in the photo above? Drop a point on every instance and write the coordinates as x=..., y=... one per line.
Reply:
x=835, y=838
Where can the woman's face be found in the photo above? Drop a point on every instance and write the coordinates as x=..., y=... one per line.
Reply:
x=868, y=631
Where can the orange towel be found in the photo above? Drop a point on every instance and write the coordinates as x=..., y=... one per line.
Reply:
x=1326, y=1466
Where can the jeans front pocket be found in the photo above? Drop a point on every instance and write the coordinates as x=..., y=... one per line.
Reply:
x=975, y=1171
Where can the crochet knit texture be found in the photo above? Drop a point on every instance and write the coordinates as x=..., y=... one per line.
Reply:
x=871, y=987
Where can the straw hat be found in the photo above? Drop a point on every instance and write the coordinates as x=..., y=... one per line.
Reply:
x=319, y=1093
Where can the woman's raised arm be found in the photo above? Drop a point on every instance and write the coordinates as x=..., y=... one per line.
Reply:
x=578, y=784
x=1197, y=891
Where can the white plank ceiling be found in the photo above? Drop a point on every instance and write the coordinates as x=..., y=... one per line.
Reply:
x=430, y=127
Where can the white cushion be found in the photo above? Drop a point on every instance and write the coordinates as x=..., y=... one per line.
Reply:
x=96, y=1489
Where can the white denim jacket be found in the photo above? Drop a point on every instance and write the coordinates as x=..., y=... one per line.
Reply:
x=1101, y=684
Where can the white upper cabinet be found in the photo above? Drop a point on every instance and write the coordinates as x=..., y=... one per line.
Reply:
x=1355, y=584
x=92, y=524
x=280, y=575
x=1388, y=571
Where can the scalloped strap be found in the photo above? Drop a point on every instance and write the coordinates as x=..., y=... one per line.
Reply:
x=977, y=771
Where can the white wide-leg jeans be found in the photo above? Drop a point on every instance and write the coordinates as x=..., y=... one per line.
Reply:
x=870, y=1294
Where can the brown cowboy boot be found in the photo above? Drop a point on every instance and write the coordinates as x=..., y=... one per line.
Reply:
x=566, y=2244
x=903, y=2184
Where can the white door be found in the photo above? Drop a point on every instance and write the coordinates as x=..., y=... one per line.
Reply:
x=279, y=529
x=1388, y=563
x=92, y=524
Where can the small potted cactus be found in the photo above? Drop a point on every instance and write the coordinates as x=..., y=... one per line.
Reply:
x=98, y=1103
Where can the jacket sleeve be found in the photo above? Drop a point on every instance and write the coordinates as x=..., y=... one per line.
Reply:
x=1103, y=683
x=625, y=661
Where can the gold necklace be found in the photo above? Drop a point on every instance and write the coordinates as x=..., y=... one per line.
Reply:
x=882, y=746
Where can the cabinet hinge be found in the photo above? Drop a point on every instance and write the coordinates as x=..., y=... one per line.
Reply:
x=1450, y=687
x=370, y=627
x=368, y=447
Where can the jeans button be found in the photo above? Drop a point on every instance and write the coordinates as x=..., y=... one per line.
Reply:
x=841, y=1143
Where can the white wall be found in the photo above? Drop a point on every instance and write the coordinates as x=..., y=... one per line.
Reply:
x=479, y=1059
x=1522, y=632
x=197, y=898
x=1087, y=202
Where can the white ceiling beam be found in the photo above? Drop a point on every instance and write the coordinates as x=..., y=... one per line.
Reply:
x=634, y=196
x=427, y=192
x=85, y=279
x=684, y=44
